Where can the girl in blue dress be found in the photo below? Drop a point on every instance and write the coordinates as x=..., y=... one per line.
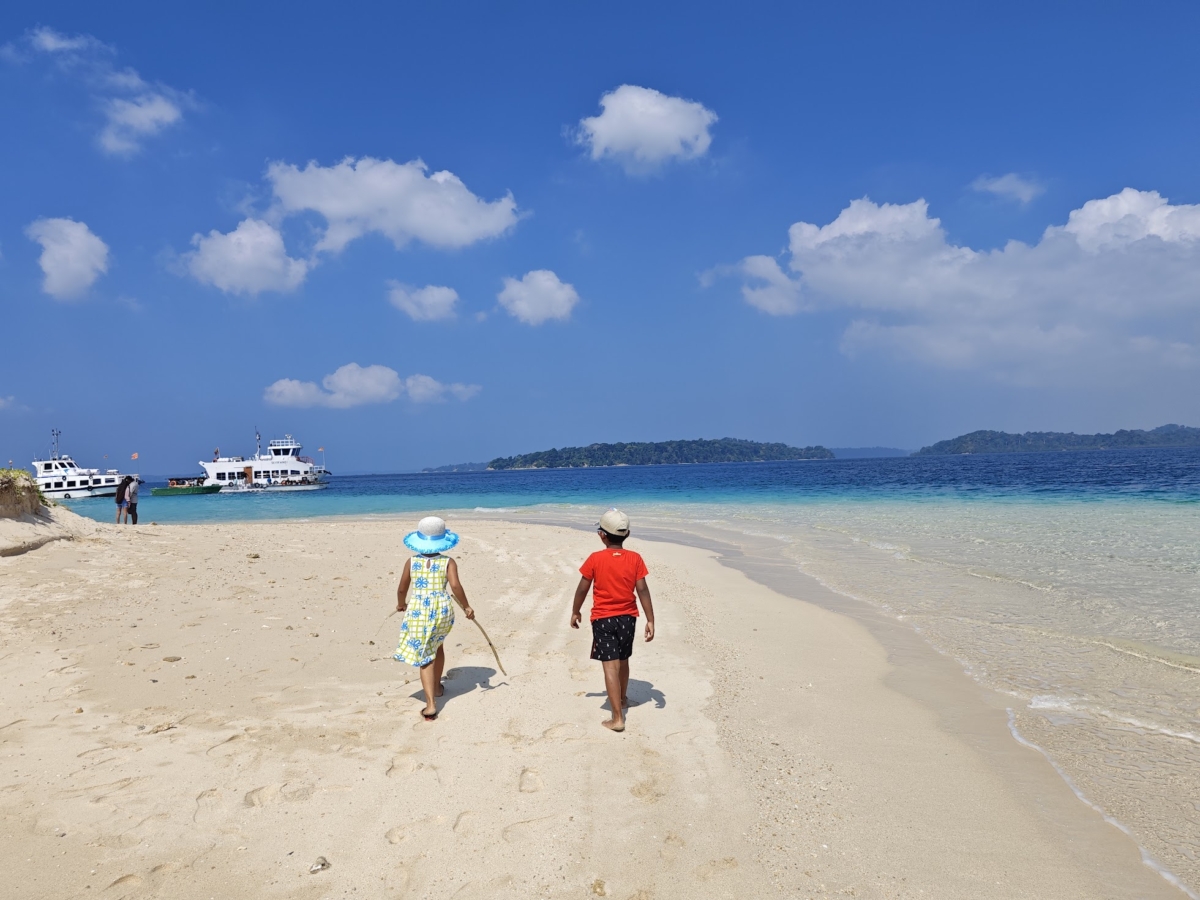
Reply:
x=429, y=614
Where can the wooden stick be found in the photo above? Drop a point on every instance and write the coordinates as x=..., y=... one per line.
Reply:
x=385, y=621
x=493, y=646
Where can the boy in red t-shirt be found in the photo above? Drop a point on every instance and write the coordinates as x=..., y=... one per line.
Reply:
x=615, y=574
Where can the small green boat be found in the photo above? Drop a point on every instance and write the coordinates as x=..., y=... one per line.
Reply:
x=191, y=485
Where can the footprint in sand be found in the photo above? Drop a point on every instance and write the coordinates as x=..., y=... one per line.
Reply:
x=129, y=880
x=531, y=781
x=401, y=765
x=207, y=804
x=521, y=831
x=648, y=789
x=465, y=822
x=261, y=796
x=396, y=835
x=716, y=867
x=563, y=731
x=396, y=880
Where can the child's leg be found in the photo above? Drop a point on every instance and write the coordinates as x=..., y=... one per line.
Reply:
x=625, y=682
x=429, y=684
x=439, y=666
x=612, y=684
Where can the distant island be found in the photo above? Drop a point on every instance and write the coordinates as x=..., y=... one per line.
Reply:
x=659, y=454
x=1043, y=441
x=458, y=467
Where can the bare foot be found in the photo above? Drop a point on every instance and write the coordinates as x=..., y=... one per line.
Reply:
x=614, y=725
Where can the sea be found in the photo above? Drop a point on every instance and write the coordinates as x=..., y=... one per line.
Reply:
x=1068, y=583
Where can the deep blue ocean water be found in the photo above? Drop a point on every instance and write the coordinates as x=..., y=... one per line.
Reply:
x=1162, y=475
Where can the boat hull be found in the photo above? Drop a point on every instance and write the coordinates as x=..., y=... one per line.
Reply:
x=273, y=488
x=78, y=493
x=176, y=491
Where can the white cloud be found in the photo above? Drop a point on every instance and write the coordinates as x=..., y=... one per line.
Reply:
x=642, y=128
x=538, y=297
x=48, y=40
x=398, y=200
x=772, y=291
x=355, y=385
x=133, y=109
x=351, y=385
x=359, y=197
x=131, y=120
x=72, y=256
x=425, y=304
x=1116, y=290
x=8, y=402
x=423, y=389
x=1011, y=187
x=247, y=260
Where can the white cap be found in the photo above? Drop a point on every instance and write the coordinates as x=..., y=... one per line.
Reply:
x=615, y=523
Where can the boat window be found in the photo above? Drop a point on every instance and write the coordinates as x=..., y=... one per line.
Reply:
x=70, y=484
x=258, y=475
x=220, y=476
x=58, y=484
x=47, y=467
x=295, y=471
x=110, y=481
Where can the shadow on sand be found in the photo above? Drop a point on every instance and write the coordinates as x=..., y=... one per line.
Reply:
x=639, y=692
x=464, y=679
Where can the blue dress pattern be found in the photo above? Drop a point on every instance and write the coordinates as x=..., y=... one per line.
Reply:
x=430, y=614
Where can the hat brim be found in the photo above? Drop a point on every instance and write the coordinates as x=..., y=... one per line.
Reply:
x=418, y=543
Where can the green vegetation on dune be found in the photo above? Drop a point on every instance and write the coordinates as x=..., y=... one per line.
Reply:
x=19, y=493
x=659, y=454
x=1043, y=441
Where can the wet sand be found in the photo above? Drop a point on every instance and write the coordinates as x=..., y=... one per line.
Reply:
x=776, y=749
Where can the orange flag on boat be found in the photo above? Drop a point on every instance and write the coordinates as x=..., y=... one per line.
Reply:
x=320, y=449
x=134, y=456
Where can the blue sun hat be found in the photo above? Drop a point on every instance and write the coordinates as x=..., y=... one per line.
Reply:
x=431, y=536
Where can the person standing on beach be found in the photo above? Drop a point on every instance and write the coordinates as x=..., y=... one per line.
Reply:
x=613, y=575
x=429, y=616
x=121, y=501
x=131, y=500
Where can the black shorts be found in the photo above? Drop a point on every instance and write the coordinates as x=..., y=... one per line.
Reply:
x=612, y=638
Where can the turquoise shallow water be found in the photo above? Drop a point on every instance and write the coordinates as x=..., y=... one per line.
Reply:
x=1069, y=582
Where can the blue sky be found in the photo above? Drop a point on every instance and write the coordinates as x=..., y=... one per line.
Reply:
x=839, y=224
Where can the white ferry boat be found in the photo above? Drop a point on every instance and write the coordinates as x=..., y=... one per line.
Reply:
x=281, y=468
x=61, y=478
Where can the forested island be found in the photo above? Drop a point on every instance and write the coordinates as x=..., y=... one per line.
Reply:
x=662, y=453
x=1043, y=441
x=457, y=467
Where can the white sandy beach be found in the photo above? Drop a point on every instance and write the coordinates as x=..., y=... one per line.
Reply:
x=203, y=711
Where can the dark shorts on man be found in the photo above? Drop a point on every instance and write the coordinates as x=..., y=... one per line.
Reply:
x=612, y=638
x=133, y=513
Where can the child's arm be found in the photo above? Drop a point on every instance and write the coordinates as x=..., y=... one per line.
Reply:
x=456, y=588
x=402, y=588
x=643, y=592
x=581, y=592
